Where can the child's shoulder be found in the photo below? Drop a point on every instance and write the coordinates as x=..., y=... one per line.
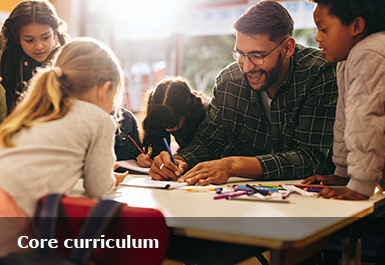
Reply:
x=374, y=42
x=86, y=106
x=85, y=110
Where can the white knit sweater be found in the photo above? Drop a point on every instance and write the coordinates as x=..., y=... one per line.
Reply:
x=51, y=156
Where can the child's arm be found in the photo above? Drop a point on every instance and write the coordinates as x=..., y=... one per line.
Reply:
x=119, y=176
x=326, y=180
x=99, y=161
x=342, y=194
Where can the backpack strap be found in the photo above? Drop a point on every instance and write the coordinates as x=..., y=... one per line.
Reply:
x=97, y=221
x=48, y=219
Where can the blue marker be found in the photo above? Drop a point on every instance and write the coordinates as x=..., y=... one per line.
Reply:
x=169, y=151
x=241, y=187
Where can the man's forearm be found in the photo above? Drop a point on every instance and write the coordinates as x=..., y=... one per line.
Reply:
x=246, y=167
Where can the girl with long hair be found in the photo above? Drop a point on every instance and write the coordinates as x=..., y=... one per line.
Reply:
x=173, y=108
x=29, y=38
x=62, y=130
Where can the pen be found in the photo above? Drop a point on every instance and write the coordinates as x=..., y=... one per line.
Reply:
x=169, y=151
x=136, y=145
x=231, y=195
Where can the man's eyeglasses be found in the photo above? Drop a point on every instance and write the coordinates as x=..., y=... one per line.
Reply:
x=254, y=57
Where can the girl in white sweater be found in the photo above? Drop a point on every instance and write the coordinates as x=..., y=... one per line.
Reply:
x=62, y=130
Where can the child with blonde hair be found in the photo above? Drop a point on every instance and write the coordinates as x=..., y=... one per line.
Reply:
x=62, y=130
x=59, y=133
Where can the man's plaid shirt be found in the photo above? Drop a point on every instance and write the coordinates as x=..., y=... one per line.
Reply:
x=302, y=118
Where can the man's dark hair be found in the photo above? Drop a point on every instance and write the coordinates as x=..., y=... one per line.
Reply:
x=266, y=18
x=372, y=11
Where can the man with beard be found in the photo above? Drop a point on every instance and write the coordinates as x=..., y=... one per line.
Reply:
x=272, y=112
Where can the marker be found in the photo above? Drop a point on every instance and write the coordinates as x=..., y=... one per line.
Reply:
x=241, y=187
x=169, y=151
x=252, y=199
x=231, y=195
x=264, y=193
x=205, y=189
x=270, y=186
x=286, y=196
x=313, y=189
x=140, y=149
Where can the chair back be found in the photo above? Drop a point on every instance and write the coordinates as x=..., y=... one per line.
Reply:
x=144, y=231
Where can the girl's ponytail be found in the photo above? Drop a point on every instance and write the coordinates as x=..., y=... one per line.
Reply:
x=81, y=65
x=45, y=102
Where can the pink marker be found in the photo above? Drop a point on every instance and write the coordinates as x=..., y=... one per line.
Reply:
x=231, y=195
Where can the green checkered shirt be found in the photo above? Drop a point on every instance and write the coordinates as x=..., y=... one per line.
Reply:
x=302, y=118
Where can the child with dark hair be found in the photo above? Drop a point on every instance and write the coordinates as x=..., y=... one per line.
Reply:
x=29, y=38
x=3, y=103
x=352, y=33
x=173, y=107
x=125, y=148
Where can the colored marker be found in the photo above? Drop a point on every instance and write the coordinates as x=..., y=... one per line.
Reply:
x=313, y=189
x=231, y=195
x=271, y=186
x=253, y=199
x=169, y=151
x=205, y=189
x=286, y=196
x=241, y=187
x=264, y=193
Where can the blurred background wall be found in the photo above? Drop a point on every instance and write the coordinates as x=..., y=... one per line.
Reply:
x=155, y=38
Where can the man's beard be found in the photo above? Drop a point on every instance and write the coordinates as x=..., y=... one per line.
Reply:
x=271, y=76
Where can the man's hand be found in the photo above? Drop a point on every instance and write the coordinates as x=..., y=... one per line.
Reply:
x=164, y=169
x=341, y=194
x=326, y=180
x=215, y=171
x=144, y=160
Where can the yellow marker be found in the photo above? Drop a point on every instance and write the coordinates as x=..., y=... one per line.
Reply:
x=202, y=189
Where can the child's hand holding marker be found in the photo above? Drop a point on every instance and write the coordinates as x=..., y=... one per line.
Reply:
x=144, y=160
x=165, y=167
